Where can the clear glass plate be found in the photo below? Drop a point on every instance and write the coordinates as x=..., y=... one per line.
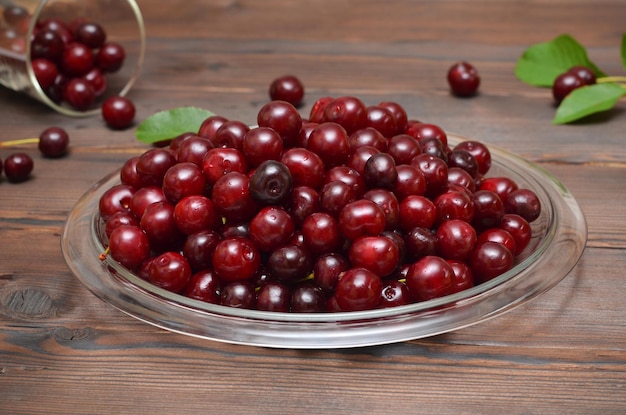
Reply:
x=559, y=237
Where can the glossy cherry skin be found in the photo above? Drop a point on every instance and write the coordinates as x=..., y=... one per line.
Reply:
x=368, y=136
x=488, y=260
x=303, y=202
x=209, y=127
x=153, y=164
x=79, y=93
x=287, y=88
x=394, y=294
x=221, y=161
x=308, y=298
x=183, y=179
x=77, y=59
x=170, y=271
x=399, y=114
x=271, y=183
x=519, y=228
x=195, y=213
x=306, y=167
x=329, y=141
x=358, y=289
x=53, y=142
x=90, y=34
x=282, y=117
x=321, y=233
x=410, y=182
x=232, y=199
x=586, y=74
x=236, y=259
x=361, y=218
x=45, y=71
x=378, y=254
x=523, y=202
x=348, y=111
x=463, y=79
x=289, y=263
x=382, y=120
x=238, y=294
x=274, y=296
x=403, y=148
x=198, y=248
x=463, y=276
x=129, y=246
x=18, y=167
x=430, y=277
x=328, y=269
x=455, y=239
x=159, y=224
x=118, y=112
x=230, y=135
x=271, y=228
x=204, y=286
x=564, y=84
x=193, y=149
x=110, y=57
x=481, y=154
x=416, y=211
x=262, y=144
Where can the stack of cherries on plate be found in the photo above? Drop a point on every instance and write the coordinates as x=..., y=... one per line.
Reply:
x=355, y=208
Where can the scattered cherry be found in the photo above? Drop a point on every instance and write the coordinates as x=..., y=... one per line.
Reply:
x=118, y=112
x=564, y=84
x=463, y=79
x=287, y=88
x=53, y=142
x=17, y=167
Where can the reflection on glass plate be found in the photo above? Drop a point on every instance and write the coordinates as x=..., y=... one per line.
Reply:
x=559, y=237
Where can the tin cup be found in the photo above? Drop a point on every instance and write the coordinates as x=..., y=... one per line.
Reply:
x=22, y=20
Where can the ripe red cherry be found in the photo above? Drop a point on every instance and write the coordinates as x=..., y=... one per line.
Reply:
x=97, y=80
x=79, y=94
x=110, y=57
x=77, y=59
x=378, y=254
x=488, y=260
x=348, y=111
x=18, y=166
x=271, y=228
x=455, y=239
x=53, y=142
x=170, y=271
x=274, y=296
x=232, y=199
x=261, y=144
x=45, y=71
x=236, y=259
x=194, y=214
x=463, y=79
x=361, y=218
x=306, y=167
x=287, y=88
x=329, y=141
x=430, y=277
x=129, y=246
x=118, y=112
x=358, y=289
x=282, y=117
x=564, y=84
x=584, y=73
x=204, y=286
x=90, y=34
x=289, y=263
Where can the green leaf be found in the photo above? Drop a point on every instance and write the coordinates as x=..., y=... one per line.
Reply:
x=624, y=50
x=588, y=100
x=165, y=125
x=540, y=64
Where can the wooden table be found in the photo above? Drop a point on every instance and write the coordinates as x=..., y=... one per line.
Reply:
x=63, y=351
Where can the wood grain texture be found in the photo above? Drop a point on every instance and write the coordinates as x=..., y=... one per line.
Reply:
x=64, y=351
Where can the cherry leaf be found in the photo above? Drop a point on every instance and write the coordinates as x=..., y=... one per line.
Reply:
x=165, y=125
x=588, y=100
x=541, y=63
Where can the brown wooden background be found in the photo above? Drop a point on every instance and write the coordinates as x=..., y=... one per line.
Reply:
x=63, y=351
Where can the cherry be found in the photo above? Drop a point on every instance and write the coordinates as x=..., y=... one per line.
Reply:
x=488, y=209
x=416, y=211
x=115, y=199
x=348, y=111
x=48, y=45
x=238, y=294
x=195, y=213
x=564, y=84
x=361, y=218
x=18, y=167
x=380, y=171
x=77, y=59
x=302, y=203
x=204, y=286
x=287, y=88
x=90, y=34
x=129, y=175
x=455, y=239
x=209, y=127
x=335, y=195
x=411, y=181
x=192, y=149
x=153, y=164
x=232, y=198
x=305, y=166
x=387, y=201
x=378, y=254
x=463, y=276
x=199, y=247
x=498, y=235
x=321, y=233
x=488, y=260
x=403, y=148
x=262, y=144
x=398, y=113
x=587, y=75
x=420, y=242
x=118, y=112
x=328, y=269
x=283, y=118
x=358, y=289
x=273, y=296
x=170, y=271
x=181, y=180
x=221, y=161
x=523, y=202
x=381, y=119
x=230, y=134
x=129, y=246
x=316, y=115
x=236, y=259
x=53, y=142
x=463, y=79
x=308, y=298
x=348, y=176
x=144, y=197
x=289, y=263
x=159, y=224
x=329, y=141
x=481, y=154
x=79, y=93
x=271, y=183
x=98, y=81
x=519, y=228
x=367, y=136
x=394, y=293
x=45, y=71
x=423, y=131
x=359, y=157
x=430, y=277
x=271, y=228
x=110, y=57
x=501, y=186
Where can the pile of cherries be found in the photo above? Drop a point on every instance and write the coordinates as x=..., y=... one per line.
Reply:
x=71, y=60
x=355, y=208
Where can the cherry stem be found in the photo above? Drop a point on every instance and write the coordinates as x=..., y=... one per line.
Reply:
x=607, y=79
x=20, y=142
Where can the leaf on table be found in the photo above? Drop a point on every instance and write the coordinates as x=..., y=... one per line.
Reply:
x=541, y=63
x=588, y=100
x=165, y=125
